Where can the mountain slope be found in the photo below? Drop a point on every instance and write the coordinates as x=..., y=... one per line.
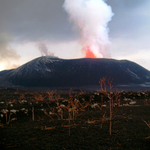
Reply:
x=53, y=72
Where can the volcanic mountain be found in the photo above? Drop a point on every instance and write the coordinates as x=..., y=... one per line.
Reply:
x=49, y=71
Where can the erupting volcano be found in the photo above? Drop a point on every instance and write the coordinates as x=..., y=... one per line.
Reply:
x=90, y=18
x=89, y=53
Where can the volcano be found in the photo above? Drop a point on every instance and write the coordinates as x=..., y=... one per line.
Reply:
x=49, y=71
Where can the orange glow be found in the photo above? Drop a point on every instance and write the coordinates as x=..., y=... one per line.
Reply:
x=89, y=53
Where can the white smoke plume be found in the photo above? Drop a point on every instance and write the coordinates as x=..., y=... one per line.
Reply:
x=44, y=50
x=91, y=18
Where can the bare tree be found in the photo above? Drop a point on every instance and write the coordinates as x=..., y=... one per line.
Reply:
x=37, y=98
x=113, y=98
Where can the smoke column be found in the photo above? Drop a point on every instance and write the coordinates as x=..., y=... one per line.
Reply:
x=44, y=50
x=91, y=18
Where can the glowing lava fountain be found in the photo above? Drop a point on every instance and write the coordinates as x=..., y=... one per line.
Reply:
x=89, y=53
x=90, y=19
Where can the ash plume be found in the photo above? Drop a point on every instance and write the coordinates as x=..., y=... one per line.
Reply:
x=90, y=18
x=7, y=54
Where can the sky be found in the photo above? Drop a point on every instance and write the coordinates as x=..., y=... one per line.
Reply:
x=30, y=29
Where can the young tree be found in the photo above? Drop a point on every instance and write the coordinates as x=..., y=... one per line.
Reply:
x=113, y=98
x=37, y=98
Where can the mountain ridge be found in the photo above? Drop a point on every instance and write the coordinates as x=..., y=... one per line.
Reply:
x=49, y=71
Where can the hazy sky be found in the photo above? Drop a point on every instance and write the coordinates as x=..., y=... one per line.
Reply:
x=32, y=28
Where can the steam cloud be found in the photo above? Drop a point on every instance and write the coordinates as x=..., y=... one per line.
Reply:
x=7, y=54
x=91, y=18
x=44, y=50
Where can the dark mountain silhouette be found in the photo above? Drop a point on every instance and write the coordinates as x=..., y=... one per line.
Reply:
x=49, y=71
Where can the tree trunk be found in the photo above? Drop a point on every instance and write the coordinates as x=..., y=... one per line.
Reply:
x=6, y=117
x=110, y=117
x=9, y=118
x=33, y=113
x=62, y=115
x=69, y=122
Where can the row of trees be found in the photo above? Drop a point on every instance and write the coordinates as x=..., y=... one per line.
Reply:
x=74, y=106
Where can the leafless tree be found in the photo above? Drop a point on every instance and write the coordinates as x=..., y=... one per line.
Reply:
x=113, y=98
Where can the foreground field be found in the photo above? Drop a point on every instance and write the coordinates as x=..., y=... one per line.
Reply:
x=74, y=120
x=128, y=132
